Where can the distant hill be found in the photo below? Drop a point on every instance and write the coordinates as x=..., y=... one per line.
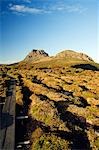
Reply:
x=72, y=54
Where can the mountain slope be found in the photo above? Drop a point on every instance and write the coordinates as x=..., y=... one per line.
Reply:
x=73, y=55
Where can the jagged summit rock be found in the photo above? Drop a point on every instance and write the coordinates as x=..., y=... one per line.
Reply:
x=75, y=55
x=35, y=55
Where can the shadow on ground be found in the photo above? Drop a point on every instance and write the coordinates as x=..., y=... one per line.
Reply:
x=77, y=126
x=86, y=67
x=6, y=120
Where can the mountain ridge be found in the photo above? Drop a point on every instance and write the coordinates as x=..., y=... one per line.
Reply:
x=74, y=54
x=35, y=55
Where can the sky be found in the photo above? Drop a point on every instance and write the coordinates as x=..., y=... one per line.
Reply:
x=52, y=25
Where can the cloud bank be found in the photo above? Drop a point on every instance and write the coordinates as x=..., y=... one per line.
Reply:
x=60, y=7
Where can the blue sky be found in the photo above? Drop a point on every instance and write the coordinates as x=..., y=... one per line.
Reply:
x=52, y=25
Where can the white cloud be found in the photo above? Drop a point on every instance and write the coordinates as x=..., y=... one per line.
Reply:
x=75, y=8
x=60, y=7
x=27, y=1
x=72, y=9
x=25, y=9
x=68, y=8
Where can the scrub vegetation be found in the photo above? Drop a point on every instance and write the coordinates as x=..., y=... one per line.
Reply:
x=61, y=97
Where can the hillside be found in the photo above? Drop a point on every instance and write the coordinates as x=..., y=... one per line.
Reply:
x=61, y=96
x=72, y=54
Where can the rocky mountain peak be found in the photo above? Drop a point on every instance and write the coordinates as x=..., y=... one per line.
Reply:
x=36, y=54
